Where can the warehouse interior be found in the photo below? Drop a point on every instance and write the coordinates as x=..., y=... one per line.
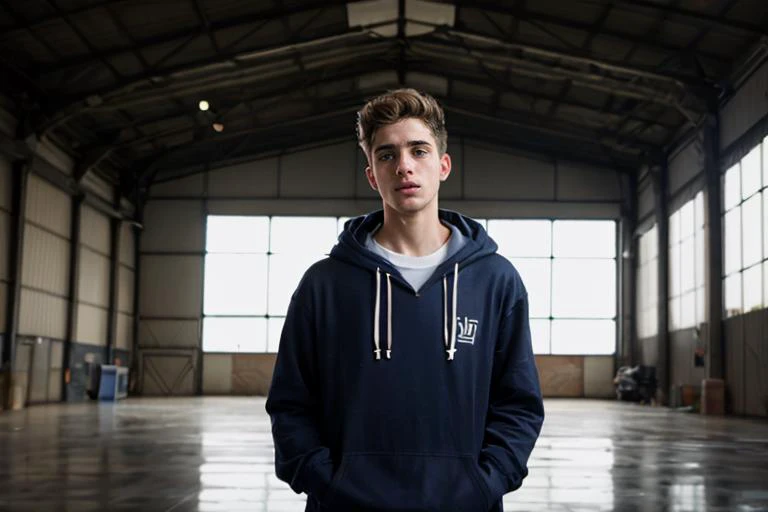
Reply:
x=168, y=170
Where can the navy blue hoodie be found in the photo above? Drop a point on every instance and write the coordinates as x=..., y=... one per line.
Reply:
x=385, y=399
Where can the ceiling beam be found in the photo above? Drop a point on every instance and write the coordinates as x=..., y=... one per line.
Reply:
x=673, y=97
x=240, y=22
x=237, y=78
x=526, y=16
x=687, y=15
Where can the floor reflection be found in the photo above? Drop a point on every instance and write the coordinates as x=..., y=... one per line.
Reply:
x=215, y=454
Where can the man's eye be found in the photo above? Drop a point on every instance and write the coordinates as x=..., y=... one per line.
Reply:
x=420, y=152
x=385, y=157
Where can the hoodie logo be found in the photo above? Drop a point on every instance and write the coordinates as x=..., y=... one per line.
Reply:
x=467, y=330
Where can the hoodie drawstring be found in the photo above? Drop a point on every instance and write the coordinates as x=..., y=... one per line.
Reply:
x=377, y=317
x=450, y=342
x=449, y=338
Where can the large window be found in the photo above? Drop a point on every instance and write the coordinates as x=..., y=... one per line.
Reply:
x=648, y=284
x=253, y=265
x=686, y=265
x=745, y=226
x=569, y=270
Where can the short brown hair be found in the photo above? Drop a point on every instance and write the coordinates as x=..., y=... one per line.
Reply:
x=393, y=106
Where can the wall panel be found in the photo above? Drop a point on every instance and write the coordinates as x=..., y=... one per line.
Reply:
x=217, y=374
x=747, y=107
x=251, y=179
x=173, y=226
x=41, y=314
x=127, y=245
x=124, y=337
x=686, y=164
x=582, y=183
x=45, y=261
x=92, y=325
x=5, y=243
x=321, y=172
x=125, y=290
x=94, y=278
x=171, y=286
x=48, y=206
x=495, y=175
x=170, y=333
x=94, y=230
x=191, y=186
x=6, y=184
x=733, y=329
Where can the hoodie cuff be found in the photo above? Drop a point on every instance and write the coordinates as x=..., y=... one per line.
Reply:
x=316, y=478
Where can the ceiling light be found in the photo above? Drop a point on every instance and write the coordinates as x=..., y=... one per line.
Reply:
x=203, y=105
x=219, y=127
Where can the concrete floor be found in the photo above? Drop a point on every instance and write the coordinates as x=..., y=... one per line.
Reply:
x=206, y=454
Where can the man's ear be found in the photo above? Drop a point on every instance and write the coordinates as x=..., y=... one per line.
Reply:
x=371, y=178
x=445, y=166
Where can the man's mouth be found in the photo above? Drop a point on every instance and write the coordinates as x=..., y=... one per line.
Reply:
x=407, y=186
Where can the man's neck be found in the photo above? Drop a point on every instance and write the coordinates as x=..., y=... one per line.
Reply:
x=417, y=235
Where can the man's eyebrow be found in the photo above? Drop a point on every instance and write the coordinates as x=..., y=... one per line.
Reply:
x=410, y=143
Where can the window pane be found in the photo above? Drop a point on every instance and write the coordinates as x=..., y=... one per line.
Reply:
x=687, y=222
x=584, y=288
x=536, y=275
x=688, y=310
x=700, y=256
x=687, y=266
x=752, y=234
x=765, y=282
x=229, y=233
x=750, y=173
x=522, y=237
x=583, y=336
x=753, y=288
x=540, y=335
x=733, y=241
x=275, y=326
x=732, y=187
x=674, y=228
x=235, y=284
x=701, y=304
x=285, y=272
x=303, y=235
x=732, y=294
x=675, y=314
x=585, y=238
x=234, y=334
x=674, y=271
x=765, y=160
x=698, y=207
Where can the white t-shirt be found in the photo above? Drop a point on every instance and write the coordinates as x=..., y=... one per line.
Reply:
x=416, y=270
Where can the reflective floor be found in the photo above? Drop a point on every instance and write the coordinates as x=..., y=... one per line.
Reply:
x=206, y=454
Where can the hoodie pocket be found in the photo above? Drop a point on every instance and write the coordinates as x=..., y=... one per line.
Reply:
x=406, y=483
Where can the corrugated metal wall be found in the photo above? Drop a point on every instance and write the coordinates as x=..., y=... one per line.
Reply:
x=93, y=275
x=485, y=181
x=45, y=256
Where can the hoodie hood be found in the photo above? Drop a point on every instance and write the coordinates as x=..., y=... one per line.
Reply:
x=351, y=249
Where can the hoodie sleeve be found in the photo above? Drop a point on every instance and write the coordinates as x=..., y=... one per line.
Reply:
x=516, y=411
x=301, y=459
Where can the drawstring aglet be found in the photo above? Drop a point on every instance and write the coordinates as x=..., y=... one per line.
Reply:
x=450, y=353
x=389, y=354
x=377, y=353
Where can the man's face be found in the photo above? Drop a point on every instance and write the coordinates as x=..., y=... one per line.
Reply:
x=406, y=167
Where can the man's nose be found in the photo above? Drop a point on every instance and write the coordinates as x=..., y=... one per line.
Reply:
x=404, y=164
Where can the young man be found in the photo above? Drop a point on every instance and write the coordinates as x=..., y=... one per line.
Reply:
x=405, y=378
